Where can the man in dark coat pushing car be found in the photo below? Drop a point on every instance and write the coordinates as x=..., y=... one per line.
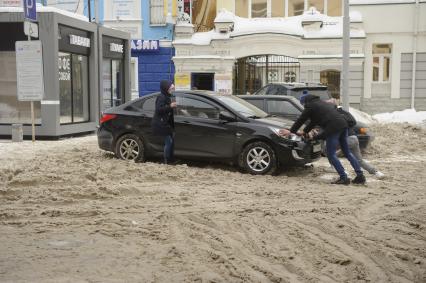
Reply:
x=334, y=132
x=163, y=123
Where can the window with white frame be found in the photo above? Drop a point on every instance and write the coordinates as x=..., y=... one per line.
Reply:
x=381, y=62
x=157, y=12
x=285, y=8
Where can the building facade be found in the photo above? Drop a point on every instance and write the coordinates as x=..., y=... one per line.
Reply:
x=252, y=43
x=151, y=35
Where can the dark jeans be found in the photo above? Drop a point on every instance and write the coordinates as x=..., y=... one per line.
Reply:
x=331, y=144
x=169, y=148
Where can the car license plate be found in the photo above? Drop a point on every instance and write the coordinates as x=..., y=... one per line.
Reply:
x=316, y=147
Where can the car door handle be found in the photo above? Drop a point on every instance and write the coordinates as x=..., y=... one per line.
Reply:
x=186, y=122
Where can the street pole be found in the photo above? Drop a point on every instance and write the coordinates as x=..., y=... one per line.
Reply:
x=32, y=111
x=344, y=93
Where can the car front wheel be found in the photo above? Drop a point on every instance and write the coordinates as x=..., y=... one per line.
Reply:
x=258, y=158
x=130, y=147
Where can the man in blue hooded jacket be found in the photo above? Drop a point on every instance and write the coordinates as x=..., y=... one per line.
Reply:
x=163, y=123
x=335, y=132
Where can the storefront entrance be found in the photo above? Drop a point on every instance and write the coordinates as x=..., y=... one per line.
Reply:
x=251, y=73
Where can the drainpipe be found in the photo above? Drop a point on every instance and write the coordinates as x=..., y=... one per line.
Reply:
x=413, y=77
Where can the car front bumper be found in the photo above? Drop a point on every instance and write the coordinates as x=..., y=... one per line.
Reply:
x=298, y=152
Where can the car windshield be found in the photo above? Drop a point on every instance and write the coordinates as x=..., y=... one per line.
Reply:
x=322, y=93
x=243, y=107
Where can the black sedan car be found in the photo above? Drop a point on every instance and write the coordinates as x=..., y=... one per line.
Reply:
x=290, y=108
x=208, y=127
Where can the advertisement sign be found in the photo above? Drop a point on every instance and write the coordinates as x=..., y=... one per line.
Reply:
x=29, y=70
x=182, y=81
x=223, y=83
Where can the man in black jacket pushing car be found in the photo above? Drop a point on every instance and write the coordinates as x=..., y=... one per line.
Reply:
x=163, y=123
x=335, y=131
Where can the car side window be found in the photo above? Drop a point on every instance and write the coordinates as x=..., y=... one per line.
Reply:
x=191, y=107
x=149, y=104
x=273, y=90
x=263, y=90
x=282, y=107
x=257, y=102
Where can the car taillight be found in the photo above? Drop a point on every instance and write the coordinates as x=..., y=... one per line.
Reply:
x=363, y=131
x=107, y=117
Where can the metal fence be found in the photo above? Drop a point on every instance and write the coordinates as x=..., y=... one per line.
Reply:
x=251, y=73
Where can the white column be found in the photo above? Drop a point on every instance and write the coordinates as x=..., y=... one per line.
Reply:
x=269, y=8
x=286, y=9
x=325, y=7
x=306, y=6
x=344, y=94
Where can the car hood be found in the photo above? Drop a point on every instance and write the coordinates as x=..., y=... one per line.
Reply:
x=274, y=122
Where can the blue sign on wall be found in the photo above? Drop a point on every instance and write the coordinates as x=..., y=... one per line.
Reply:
x=30, y=12
x=143, y=45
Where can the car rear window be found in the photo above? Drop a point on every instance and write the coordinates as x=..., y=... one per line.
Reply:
x=323, y=94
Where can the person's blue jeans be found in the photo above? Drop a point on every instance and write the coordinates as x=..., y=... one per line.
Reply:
x=331, y=144
x=169, y=147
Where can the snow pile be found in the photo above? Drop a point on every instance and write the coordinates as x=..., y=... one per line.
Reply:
x=406, y=116
x=331, y=27
x=361, y=116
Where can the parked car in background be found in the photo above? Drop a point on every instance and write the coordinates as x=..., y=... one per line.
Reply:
x=294, y=89
x=208, y=127
x=290, y=108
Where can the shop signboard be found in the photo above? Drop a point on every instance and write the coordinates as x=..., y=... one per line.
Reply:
x=223, y=83
x=29, y=70
x=182, y=81
x=145, y=45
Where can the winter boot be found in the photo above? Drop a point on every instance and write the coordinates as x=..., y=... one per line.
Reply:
x=342, y=181
x=359, y=180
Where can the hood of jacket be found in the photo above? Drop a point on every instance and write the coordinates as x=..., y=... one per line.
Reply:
x=164, y=87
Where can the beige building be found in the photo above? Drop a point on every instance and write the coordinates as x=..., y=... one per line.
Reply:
x=254, y=42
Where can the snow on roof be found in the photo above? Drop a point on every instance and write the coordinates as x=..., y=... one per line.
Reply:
x=44, y=9
x=375, y=2
x=331, y=27
x=406, y=116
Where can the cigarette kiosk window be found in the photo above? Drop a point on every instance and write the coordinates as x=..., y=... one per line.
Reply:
x=73, y=88
x=73, y=68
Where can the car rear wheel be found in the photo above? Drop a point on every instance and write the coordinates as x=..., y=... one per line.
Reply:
x=258, y=158
x=130, y=147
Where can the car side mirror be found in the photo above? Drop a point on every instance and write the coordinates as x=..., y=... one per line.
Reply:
x=226, y=116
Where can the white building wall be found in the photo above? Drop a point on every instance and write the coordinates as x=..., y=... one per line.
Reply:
x=393, y=24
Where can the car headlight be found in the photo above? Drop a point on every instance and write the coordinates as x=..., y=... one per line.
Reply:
x=285, y=133
x=363, y=131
